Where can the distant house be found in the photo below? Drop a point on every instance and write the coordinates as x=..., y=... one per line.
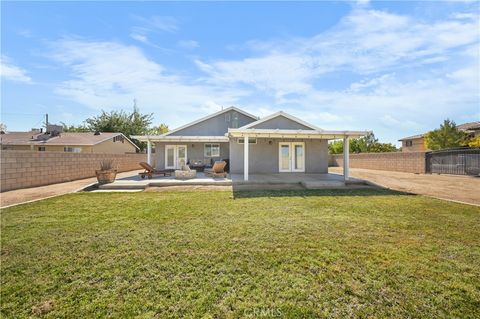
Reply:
x=89, y=142
x=416, y=143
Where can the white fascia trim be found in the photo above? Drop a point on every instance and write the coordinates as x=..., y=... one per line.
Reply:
x=162, y=138
x=231, y=108
x=281, y=113
x=295, y=133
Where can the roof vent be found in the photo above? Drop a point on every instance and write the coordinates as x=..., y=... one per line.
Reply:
x=96, y=133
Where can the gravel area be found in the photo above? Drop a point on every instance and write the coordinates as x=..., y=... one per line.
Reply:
x=464, y=189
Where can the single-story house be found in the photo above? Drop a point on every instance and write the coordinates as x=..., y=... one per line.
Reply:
x=416, y=143
x=88, y=142
x=279, y=143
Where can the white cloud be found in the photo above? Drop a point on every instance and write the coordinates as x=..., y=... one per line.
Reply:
x=155, y=24
x=409, y=75
x=407, y=69
x=364, y=42
x=146, y=27
x=11, y=72
x=106, y=75
x=188, y=44
x=139, y=37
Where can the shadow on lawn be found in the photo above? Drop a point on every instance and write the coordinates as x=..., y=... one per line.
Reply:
x=242, y=193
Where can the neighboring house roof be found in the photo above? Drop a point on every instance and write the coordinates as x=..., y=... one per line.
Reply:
x=470, y=126
x=232, y=108
x=18, y=137
x=412, y=137
x=279, y=114
x=66, y=139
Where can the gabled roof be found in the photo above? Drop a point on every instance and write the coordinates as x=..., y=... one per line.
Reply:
x=67, y=138
x=231, y=108
x=278, y=114
x=412, y=137
x=18, y=137
x=469, y=126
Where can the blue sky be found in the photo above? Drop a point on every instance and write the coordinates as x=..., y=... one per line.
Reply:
x=397, y=68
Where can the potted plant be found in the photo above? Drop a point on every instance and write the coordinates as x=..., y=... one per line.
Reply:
x=106, y=173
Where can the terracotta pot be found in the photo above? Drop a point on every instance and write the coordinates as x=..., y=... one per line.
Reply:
x=105, y=177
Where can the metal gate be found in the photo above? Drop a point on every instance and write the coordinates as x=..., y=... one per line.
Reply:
x=455, y=161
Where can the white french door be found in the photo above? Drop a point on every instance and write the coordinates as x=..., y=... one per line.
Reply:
x=291, y=157
x=175, y=156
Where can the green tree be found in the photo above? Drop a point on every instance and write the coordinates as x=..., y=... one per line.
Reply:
x=447, y=136
x=134, y=123
x=474, y=142
x=158, y=130
x=366, y=144
x=335, y=147
x=382, y=148
x=129, y=124
x=73, y=128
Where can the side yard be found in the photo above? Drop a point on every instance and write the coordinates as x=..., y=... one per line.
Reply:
x=18, y=196
x=210, y=254
x=451, y=187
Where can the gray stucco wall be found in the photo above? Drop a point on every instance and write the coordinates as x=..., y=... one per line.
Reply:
x=263, y=157
x=195, y=151
x=282, y=123
x=216, y=126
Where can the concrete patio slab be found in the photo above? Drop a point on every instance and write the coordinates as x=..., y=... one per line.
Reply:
x=284, y=180
x=136, y=182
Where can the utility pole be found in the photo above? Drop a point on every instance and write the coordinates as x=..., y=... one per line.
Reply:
x=46, y=122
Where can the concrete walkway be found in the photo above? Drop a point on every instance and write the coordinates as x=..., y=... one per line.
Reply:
x=464, y=189
x=24, y=195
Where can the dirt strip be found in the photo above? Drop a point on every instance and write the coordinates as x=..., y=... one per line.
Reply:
x=19, y=196
x=459, y=188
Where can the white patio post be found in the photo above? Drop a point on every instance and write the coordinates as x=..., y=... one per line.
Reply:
x=149, y=152
x=346, y=157
x=245, y=158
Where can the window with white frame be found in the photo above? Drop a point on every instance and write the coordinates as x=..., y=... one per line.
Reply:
x=211, y=150
x=250, y=141
x=70, y=149
x=41, y=148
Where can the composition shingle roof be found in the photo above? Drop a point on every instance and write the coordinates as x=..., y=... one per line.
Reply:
x=27, y=138
x=412, y=137
x=470, y=126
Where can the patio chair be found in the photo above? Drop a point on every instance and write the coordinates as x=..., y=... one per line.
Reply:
x=150, y=171
x=218, y=169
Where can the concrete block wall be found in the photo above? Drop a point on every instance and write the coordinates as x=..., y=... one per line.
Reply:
x=411, y=162
x=22, y=169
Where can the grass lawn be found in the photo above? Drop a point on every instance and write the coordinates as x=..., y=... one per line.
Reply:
x=363, y=253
